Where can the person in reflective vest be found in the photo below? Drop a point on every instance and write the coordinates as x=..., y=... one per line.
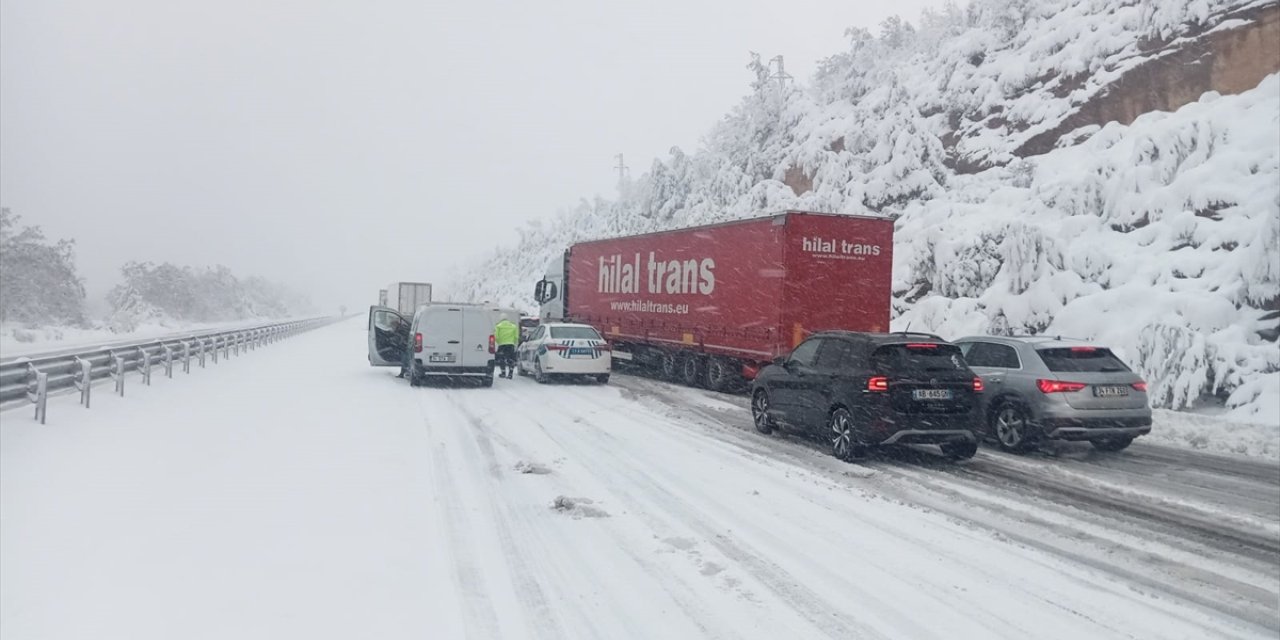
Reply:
x=506, y=334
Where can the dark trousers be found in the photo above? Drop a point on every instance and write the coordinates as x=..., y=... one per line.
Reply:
x=506, y=356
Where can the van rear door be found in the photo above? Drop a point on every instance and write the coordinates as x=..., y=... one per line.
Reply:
x=442, y=337
x=478, y=335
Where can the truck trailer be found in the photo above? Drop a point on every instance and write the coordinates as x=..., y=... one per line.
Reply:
x=406, y=297
x=711, y=305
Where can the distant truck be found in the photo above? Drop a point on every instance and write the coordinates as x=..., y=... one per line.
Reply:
x=406, y=297
x=711, y=305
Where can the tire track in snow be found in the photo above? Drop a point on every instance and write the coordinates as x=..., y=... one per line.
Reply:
x=527, y=588
x=1254, y=612
x=682, y=594
x=479, y=614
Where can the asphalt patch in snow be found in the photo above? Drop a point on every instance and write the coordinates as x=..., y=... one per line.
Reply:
x=578, y=507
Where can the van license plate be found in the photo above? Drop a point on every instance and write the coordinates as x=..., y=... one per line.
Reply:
x=931, y=394
x=1110, y=391
x=443, y=358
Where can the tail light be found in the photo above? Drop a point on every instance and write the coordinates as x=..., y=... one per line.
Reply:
x=1084, y=349
x=921, y=345
x=977, y=385
x=493, y=346
x=1058, y=386
x=604, y=346
x=1140, y=385
x=877, y=384
x=417, y=343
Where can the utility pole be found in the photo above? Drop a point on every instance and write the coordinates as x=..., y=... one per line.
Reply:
x=780, y=75
x=622, y=172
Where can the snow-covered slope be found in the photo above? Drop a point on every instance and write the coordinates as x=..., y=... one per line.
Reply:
x=1158, y=237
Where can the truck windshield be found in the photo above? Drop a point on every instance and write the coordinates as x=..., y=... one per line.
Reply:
x=574, y=333
x=1081, y=359
x=914, y=358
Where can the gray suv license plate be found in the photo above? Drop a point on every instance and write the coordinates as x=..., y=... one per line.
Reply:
x=1110, y=392
x=931, y=394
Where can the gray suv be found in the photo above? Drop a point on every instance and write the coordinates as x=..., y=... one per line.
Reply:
x=1057, y=389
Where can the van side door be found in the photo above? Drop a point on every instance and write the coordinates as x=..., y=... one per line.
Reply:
x=388, y=337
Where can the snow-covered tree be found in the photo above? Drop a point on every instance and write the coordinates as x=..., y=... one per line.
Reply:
x=39, y=284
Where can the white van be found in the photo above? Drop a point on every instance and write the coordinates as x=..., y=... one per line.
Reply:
x=441, y=339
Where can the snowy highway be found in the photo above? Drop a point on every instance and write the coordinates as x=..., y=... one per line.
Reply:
x=297, y=492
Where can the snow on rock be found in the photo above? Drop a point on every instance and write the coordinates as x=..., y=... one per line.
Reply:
x=1160, y=238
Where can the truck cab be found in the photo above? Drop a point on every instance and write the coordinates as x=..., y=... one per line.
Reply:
x=549, y=292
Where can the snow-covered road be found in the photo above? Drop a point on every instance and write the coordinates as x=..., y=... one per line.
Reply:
x=296, y=492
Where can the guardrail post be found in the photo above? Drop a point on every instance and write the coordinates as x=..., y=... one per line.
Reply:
x=38, y=390
x=84, y=379
x=186, y=357
x=168, y=361
x=238, y=338
x=226, y=348
x=214, y=343
x=145, y=366
x=117, y=372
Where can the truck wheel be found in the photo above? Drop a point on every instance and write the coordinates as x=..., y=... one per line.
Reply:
x=760, y=412
x=721, y=373
x=691, y=370
x=670, y=366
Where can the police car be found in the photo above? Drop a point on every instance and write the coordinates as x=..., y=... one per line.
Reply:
x=565, y=350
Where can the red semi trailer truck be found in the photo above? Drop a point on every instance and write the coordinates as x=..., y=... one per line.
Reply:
x=710, y=305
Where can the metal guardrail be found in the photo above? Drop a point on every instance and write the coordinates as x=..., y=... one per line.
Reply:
x=34, y=379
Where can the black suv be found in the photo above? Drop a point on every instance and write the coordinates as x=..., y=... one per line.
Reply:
x=870, y=389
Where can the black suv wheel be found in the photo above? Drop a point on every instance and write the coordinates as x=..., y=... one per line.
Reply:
x=760, y=412
x=846, y=443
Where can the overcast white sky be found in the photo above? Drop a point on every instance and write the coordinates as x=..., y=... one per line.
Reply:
x=337, y=146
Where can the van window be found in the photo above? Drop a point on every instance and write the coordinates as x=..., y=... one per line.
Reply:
x=574, y=333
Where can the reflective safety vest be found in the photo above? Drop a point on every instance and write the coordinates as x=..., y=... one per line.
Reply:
x=506, y=332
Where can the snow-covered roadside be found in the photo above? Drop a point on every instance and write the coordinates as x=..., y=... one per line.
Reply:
x=17, y=340
x=1215, y=434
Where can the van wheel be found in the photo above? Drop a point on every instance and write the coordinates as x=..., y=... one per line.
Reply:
x=760, y=412
x=603, y=378
x=721, y=373
x=415, y=378
x=1011, y=428
x=845, y=441
x=487, y=381
x=691, y=370
x=538, y=374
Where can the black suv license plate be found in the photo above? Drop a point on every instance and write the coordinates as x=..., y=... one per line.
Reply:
x=1110, y=391
x=931, y=394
